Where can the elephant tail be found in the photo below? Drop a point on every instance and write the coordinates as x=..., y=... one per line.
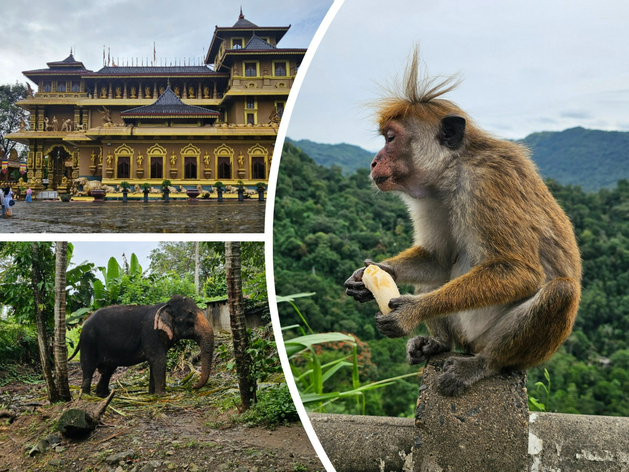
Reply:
x=78, y=348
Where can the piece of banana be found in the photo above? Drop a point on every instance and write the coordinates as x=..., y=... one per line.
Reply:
x=381, y=285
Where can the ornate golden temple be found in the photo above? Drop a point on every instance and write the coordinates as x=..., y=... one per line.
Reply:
x=191, y=124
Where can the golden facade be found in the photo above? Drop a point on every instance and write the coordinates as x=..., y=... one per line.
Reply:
x=193, y=125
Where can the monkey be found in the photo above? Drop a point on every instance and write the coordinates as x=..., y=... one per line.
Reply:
x=494, y=261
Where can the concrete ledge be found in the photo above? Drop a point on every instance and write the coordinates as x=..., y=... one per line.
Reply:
x=557, y=443
x=365, y=443
x=584, y=443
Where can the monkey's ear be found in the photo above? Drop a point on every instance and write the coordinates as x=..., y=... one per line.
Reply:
x=452, y=131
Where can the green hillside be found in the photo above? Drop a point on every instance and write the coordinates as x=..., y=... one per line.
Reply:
x=591, y=159
x=348, y=157
x=327, y=223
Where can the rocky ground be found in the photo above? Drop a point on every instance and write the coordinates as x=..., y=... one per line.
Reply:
x=185, y=430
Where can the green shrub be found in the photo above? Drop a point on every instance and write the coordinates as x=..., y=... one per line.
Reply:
x=18, y=342
x=274, y=407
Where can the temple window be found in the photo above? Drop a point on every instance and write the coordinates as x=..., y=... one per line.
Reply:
x=76, y=86
x=157, y=167
x=47, y=87
x=251, y=69
x=123, y=168
x=258, y=168
x=61, y=86
x=190, y=168
x=251, y=101
x=237, y=43
x=251, y=119
x=224, y=168
x=280, y=69
x=279, y=106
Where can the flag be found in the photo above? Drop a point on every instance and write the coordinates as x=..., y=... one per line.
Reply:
x=154, y=56
x=22, y=166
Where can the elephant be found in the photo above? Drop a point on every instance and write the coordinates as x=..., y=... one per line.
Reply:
x=124, y=335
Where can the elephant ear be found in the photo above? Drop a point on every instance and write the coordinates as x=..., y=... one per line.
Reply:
x=164, y=321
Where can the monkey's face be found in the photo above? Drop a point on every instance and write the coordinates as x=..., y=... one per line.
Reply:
x=416, y=154
x=393, y=165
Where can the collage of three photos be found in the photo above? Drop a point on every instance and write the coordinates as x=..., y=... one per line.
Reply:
x=313, y=236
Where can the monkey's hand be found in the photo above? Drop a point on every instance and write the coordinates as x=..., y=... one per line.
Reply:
x=402, y=320
x=355, y=286
x=420, y=348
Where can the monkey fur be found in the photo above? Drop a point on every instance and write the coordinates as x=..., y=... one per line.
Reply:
x=495, y=263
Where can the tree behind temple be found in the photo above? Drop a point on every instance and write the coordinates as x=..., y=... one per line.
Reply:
x=11, y=116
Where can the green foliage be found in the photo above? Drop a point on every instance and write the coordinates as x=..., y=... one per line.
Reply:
x=18, y=342
x=11, y=115
x=16, y=288
x=327, y=223
x=274, y=407
x=315, y=359
x=541, y=389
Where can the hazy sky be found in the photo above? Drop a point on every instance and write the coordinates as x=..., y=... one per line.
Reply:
x=99, y=252
x=526, y=66
x=34, y=32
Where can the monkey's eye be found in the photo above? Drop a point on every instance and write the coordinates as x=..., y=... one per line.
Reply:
x=389, y=137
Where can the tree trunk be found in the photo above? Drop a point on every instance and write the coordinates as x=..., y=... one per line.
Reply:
x=53, y=393
x=246, y=382
x=61, y=350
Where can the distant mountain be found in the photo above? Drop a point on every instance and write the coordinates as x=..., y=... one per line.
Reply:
x=347, y=156
x=592, y=159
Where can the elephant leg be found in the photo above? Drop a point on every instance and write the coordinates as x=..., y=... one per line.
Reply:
x=157, y=380
x=87, y=368
x=102, y=388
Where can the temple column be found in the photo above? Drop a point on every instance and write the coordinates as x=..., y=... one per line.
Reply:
x=75, y=165
x=40, y=119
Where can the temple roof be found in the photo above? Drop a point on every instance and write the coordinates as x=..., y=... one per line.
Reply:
x=68, y=65
x=161, y=70
x=168, y=105
x=257, y=43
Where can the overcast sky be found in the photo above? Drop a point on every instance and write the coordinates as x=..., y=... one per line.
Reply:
x=526, y=66
x=35, y=32
x=99, y=252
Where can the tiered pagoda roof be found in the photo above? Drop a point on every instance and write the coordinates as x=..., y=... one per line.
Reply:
x=168, y=105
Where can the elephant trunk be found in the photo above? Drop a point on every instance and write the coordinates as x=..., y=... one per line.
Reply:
x=204, y=336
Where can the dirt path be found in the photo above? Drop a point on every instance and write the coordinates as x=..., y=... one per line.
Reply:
x=182, y=431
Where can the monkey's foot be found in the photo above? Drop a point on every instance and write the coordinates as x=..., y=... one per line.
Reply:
x=460, y=374
x=420, y=348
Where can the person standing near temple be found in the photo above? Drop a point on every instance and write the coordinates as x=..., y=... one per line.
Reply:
x=2, y=201
x=8, y=199
x=29, y=195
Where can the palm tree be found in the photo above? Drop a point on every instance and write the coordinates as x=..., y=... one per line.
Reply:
x=246, y=382
x=40, y=322
x=60, y=348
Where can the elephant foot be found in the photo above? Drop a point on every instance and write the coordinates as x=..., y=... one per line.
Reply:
x=102, y=393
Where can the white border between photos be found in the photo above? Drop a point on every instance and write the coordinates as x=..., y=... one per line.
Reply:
x=266, y=236
x=270, y=207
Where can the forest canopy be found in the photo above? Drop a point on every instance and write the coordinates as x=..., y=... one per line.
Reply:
x=326, y=223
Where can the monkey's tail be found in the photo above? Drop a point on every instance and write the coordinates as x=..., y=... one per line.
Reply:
x=78, y=348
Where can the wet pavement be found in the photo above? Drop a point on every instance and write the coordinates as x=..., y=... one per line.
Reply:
x=230, y=216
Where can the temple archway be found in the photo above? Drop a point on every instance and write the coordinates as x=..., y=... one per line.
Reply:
x=58, y=167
